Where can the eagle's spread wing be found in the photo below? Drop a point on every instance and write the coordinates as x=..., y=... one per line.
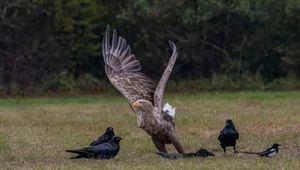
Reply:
x=159, y=92
x=123, y=70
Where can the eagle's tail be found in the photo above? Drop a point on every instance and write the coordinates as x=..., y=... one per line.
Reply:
x=170, y=110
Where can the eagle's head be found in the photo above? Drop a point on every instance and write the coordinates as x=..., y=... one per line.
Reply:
x=142, y=104
x=143, y=108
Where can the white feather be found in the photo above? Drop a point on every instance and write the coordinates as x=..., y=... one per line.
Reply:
x=273, y=153
x=169, y=109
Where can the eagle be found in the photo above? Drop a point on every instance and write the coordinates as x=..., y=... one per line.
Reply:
x=144, y=98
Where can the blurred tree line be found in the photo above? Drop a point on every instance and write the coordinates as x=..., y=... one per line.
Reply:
x=55, y=45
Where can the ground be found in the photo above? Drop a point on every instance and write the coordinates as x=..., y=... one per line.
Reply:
x=35, y=132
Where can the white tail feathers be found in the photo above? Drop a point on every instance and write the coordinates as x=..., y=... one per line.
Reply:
x=169, y=109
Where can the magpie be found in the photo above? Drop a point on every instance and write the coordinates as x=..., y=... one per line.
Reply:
x=270, y=152
x=228, y=136
x=109, y=133
x=199, y=153
x=102, y=151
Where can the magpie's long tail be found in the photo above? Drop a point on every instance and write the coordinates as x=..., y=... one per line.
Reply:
x=245, y=152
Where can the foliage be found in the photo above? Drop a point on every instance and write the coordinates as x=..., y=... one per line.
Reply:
x=76, y=25
x=27, y=49
x=231, y=39
x=61, y=82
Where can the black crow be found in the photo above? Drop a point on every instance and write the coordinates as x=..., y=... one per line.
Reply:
x=228, y=136
x=102, y=151
x=200, y=153
x=270, y=152
x=109, y=133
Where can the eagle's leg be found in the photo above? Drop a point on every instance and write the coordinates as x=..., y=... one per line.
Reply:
x=176, y=143
x=224, y=148
x=160, y=146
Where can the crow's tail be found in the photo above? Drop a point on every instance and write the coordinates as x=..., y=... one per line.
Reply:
x=82, y=154
x=78, y=151
x=169, y=156
x=73, y=151
x=76, y=157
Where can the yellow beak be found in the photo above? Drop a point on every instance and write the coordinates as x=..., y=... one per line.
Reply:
x=136, y=104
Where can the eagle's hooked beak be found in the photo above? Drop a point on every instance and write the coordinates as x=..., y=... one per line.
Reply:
x=136, y=104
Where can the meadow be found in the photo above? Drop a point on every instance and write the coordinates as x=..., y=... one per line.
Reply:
x=35, y=132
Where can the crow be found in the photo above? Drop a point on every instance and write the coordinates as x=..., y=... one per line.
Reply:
x=199, y=153
x=270, y=152
x=228, y=136
x=102, y=151
x=109, y=133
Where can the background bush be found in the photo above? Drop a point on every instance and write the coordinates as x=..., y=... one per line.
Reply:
x=54, y=46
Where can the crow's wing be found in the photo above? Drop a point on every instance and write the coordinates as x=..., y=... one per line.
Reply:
x=102, y=148
x=102, y=139
x=93, y=143
x=220, y=138
x=105, y=148
x=237, y=135
x=85, y=150
x=98, y=141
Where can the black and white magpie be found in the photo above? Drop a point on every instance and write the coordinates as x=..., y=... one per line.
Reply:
x=270, y=152
x=228, y=136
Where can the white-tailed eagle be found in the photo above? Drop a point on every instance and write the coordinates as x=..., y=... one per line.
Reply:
x=145, y=99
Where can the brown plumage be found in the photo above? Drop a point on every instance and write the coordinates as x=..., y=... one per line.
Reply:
x=145, y=99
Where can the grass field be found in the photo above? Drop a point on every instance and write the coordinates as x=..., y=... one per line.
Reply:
x=35, y=132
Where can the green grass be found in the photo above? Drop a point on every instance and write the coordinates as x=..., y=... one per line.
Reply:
x=35, y=132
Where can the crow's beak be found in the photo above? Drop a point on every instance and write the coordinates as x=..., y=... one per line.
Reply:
x=136, y=104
